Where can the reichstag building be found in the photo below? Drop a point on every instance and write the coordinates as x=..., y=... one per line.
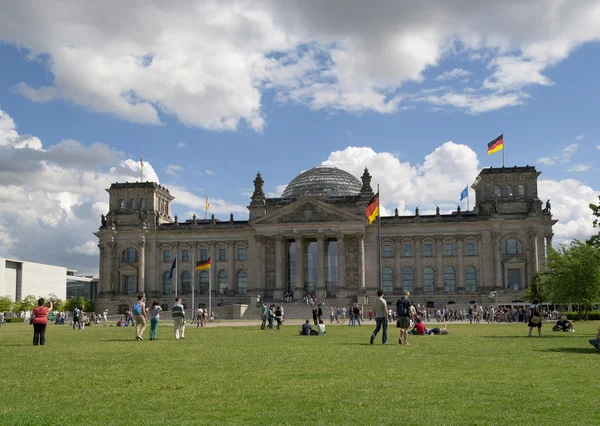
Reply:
x=315, y=238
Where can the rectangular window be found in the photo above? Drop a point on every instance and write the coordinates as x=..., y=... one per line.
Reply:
x=185, y=255
x=427, y=250
x=222, y=254
x=407, y=250
x=203, y=254
x=470, y=249
x=241, y=253
x=387, y=250
x=449, y=249
x=514, y=279
x=167, y=256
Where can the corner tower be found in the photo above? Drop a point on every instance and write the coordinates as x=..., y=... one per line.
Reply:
x=135, y=203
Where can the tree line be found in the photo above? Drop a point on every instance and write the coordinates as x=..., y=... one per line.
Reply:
x=30, y=302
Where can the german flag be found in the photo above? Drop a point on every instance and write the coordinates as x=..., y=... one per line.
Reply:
x=496, y=145
x=203, y=264
x=373, y=208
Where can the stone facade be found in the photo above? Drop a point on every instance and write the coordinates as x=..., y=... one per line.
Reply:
x=323, y=243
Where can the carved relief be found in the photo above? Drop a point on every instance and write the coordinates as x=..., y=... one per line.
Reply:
x=310, y=213
x=351, y=245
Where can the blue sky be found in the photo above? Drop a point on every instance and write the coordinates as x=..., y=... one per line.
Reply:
x=214, y=93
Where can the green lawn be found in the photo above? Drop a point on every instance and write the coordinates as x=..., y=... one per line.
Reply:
x=478, y=374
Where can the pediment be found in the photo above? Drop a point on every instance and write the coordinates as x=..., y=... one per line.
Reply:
x=128, y=269
x=515, y=260
x=309, y=211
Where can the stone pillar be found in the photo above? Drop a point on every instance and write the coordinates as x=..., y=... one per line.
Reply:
x=142, y=270
x=231, y=287
x=341, y=293
x=109, y=279
x=360, y=237
x=299, y=291
x=279, y=266
x=212, y=272
x=498, y=273
x=175, y=281
x=321, y=279
x=541, y=248
x=418, y=267
x=549, y=240
x=439, y=266
x=460, y=264
x=534, y=250
x=397, y=265
x=259, y=285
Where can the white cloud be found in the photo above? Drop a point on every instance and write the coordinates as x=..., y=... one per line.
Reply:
x=89, y=248
x=180, y=144
x=579, y=168
x=579, y=137
x=209, y=172
x=173, y=170
x=565, y=156
x=197, y=203
x=210, y=63
x=598, y=147
x=277, y=193
x=452, y=74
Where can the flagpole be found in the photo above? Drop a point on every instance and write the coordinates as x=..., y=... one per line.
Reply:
x=467, y=197
x=503, y=148
x=193, y=285
x=176, y=273
x=379, y=240
x=210, y=289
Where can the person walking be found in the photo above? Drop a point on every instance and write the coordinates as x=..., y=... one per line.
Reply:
x=76, y=313
x=139, y=313
x=178, y=319
x=105, y=317
x=39, y=319
x=82, y=317
x=403, y=310
x=381, y=319
x=154, y=319
x=535, y=317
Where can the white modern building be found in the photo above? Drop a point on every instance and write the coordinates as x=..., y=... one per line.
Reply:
x=19, y=279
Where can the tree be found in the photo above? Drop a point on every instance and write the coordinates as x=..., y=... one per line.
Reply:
x=57, y=304
x=595, y=239
x=6, y=304
x=573, y=275
x=29, y=303
x=71, y=302
x=538, y=288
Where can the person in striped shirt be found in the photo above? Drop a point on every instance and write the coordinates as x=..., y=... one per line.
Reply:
x=178, y=319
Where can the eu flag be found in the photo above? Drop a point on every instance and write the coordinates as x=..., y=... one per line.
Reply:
x=173, y=266
x=464, y=194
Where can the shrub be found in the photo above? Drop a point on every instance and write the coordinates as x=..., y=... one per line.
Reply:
x=14, y=320
x=592, y=315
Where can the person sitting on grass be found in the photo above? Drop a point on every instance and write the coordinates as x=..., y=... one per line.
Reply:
x=321, y=328
x=563, y=324
x=306, y=329
x=419, y=328
x=596, y=342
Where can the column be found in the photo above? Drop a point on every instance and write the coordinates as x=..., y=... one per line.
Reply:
x=397, y=265
x=194, y=248
x=541, y=249
x=498, y=272
x=279, y=266
x=142, y=269
x=460, y=265
x=176, y=278
x=361, y=263
x=110, y=280
x=212, y=272
x=259, y=285
x=341, y=293
x=299, y=291
x=321, y=283
x=418, y=280
x=534, y=250
x=439, y=266
x=232, y=275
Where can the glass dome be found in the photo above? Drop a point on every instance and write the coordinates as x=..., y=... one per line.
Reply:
x=323, y=180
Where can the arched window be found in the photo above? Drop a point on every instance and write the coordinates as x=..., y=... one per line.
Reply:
x=471, y=279
x=167, y=286
x=508, y=191
x=521, y=191
x=242, y=282
x=186, y=282
x=428, y=277
x=121, y=203
x=497, y=192
x=408, y=279
x=449, y=279
x=129, y=255
x=223, y=282
x=512, y=246
x=203, y=282
x=143, y=203
x=133, y=204
x=387, y=278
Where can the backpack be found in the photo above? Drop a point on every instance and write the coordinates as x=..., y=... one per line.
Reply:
x=402, y=307
x=137, y=309
x=76, y=312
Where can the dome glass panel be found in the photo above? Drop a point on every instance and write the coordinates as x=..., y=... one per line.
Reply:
x=323, y=180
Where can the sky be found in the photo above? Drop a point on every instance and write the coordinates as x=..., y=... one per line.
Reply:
x=213, y=92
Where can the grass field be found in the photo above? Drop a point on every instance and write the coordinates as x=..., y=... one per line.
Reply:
x=478, y=374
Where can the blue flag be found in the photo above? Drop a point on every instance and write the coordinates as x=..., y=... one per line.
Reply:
x=173, y=266
x=464, y=194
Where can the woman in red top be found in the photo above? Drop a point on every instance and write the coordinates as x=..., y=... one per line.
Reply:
x=40, y=320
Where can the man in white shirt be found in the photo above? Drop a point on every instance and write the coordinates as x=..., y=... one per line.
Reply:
x=381, y=311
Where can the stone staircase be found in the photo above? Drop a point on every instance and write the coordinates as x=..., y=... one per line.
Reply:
x=298, y=309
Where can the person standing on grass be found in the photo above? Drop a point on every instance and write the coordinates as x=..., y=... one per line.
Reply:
x=381, y=317
x=76, y=313
x=154, y=319
x=315, y=314
x=535, y=317
x=403, y=310
x=139, y=313
x=278, y=316
x=105, y=317
x=178, y=319
x=39, y=319
x=596, y=342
